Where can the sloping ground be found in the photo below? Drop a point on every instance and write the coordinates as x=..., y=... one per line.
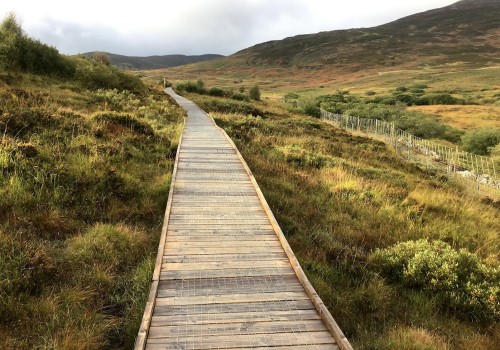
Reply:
x=463, y=36
x=154, y=62
x=466, y=31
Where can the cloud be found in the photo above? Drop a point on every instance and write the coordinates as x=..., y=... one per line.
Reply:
x=194, y=26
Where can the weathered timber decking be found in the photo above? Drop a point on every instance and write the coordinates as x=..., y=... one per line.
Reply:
x=225, y=277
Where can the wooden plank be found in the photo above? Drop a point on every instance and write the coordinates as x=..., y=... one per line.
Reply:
x=259, y=316
x=278, y=271
x=216, y=290
x=220, y=250
x=222, y=265
x=224, y=244
x=237, y=341
x=224, y=257
x=202, y=309
x=240, y=328
x=232, y=298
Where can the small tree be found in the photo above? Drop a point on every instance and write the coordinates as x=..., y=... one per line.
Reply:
x=254, y=93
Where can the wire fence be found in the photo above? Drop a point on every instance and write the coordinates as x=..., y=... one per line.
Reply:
x=482, y=172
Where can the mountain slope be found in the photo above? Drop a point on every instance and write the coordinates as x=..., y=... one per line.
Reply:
x=462, y=37
x=468, y=30
x=154, y=62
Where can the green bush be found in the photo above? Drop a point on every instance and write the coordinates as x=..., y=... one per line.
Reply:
x=437, y=99
x=481, y=141
x=291, y=96
x=254, y=93
x=240, y=97
x=228, y=106
x=458, y=278
x=218, y=92
x=95, y=75
x=310, y=106
x=197, y=87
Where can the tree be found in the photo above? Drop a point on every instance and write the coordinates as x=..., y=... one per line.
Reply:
x=254, y=93
x=11, y=35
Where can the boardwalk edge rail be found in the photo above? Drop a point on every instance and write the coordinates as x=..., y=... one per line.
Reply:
x=330, y=322
x=140, y=342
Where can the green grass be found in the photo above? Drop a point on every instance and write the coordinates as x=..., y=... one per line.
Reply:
x=84, y=179
x=339, y=198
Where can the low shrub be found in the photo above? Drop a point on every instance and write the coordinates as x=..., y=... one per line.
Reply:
x=197, y=87
x=95, y=75
x=218, y=92
x=481, y=141
x=458, y=278
x=238, y=96
x=228, y=106
x=254, y=92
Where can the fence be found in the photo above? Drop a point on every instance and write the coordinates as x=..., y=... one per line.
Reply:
x=481, y=170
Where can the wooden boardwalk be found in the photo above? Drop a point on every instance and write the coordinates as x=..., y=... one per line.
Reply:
x=225, y=276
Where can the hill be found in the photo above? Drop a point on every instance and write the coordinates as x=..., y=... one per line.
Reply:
x=459, y=37
x=468, y=30
x=153, y=62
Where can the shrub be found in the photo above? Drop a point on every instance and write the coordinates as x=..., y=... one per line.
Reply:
x=197, y=87
x=240, y=97
x=228, y=106
x=254, y=93
x=215, y=91
x=310, y=106
x=481, y=141
x=291, y=97
x=94, y=75
x=458, y=278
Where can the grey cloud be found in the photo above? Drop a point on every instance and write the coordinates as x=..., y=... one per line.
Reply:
x=212, y=27
x=72, y=38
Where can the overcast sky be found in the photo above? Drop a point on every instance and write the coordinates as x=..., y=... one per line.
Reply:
x=191, y=27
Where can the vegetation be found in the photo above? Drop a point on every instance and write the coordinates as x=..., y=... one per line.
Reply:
x=19, y=52
x=400, y=257
x=254, y=92
x=481, y=141
x=85, y=162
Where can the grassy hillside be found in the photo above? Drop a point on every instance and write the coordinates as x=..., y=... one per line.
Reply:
x=86, y=153
x=399, y=255
x=467, y=31
x=153, y=62
x=441, y=48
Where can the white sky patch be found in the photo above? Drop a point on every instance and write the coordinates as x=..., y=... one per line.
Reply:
x=195, y=26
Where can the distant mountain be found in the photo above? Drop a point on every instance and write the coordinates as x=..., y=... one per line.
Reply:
x=468, y=30
x=153, y=62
